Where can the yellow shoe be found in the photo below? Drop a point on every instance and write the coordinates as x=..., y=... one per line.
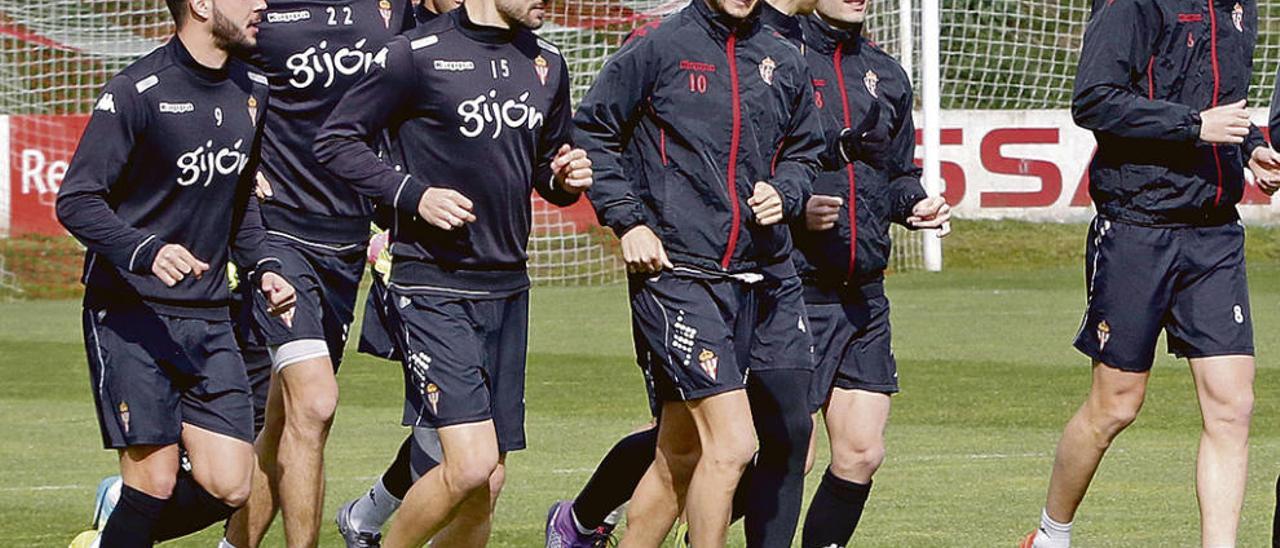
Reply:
x=87, y=539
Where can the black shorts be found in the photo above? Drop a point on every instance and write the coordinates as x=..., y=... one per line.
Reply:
x=327, y=280
x=257, y=360
x=698, y=336
x=151, y=374
x=465, y=362
x=1189, y=281
x=376, y=331
x=853, y=347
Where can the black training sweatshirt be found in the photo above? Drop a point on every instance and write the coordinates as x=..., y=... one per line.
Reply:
x=704, y=106
x=855, y=82
x=480, y=110
x=1147, y=70
x=168, y=157
x=312, y=52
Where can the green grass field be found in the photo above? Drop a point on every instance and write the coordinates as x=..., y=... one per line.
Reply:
x=988, y=378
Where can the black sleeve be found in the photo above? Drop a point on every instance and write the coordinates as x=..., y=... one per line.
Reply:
x=1118, y=45
x=557, y=131
x=248, y=244
x=905, y=190
x=798, y=154
x=602, y=125
x=119, y=119
x=346, y=145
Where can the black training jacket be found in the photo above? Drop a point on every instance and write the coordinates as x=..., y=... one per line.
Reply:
x=168, y=158
x=855, y=81
x=696, y=100
x=1148, y=68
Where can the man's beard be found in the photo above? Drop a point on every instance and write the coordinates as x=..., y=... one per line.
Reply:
x=517, y=12
x=228, y=37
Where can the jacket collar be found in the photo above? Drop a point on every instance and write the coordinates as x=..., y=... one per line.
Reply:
x=481, y=33
x=824, y=38
x=188, y=62
x=721, y=25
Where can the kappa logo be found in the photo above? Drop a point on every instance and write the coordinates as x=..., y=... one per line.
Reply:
x=543, y=69
x=453, y=66
x=288, y=16
x=800, y=325
x=1237, y=17
x=124, y=416
x=107, y=103
x=709, y=362
x=177, y=108
x=1104, y=335
x=872, y=81
x=767, y=66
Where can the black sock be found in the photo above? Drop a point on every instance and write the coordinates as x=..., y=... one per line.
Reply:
x=132, y=522
x=1275, y=521
x=780, y=409
x=189, y=510
x=615, y=478
x=399, y=477
x=834, y=513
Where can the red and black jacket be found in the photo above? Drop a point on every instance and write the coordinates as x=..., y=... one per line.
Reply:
x=1148, y=68
x=684, y=120
x=852, y=77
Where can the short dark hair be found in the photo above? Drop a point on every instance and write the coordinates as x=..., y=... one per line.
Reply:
x=179, y=10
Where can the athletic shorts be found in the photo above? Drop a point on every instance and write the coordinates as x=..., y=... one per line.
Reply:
x=699, y=335
x=379, y=323
x=152, y=373
x=465, y=362
x=327, y=279
x=1188, y=281
x=853, y=347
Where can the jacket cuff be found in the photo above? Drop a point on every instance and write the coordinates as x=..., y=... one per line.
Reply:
x=621, y=218
x=144, y=254
x=263, y=266
x=408, y=195
x=1193, y=127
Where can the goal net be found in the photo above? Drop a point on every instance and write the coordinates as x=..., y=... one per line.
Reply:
x=56, y=54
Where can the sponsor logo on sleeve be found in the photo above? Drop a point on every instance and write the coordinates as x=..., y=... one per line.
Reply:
x=177, y=108
x=107, y=103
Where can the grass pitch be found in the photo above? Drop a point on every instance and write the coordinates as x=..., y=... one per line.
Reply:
x=988, y=376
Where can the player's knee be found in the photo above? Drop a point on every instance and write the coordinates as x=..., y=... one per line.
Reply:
x=472, y=473
x=859, y=458
x=678, y=461
x=157, y=484
x=731, y=452
x=497, y=480
x=1229, y=412
x=232, y=489
x=316, y=410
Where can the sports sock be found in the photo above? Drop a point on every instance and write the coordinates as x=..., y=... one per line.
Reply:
x=190, y=509
x=133, y=520
x=615, y=478
x=834, y=513
x=371, y=511
x=780, y=409
x=1051, y=533
x=399, y=476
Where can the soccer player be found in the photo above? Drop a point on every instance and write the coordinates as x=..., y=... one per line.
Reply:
x=161, y=195
x=1163, y=91
x=718, y=111
x=842, y=250
x=478, y=108
x=312, y=52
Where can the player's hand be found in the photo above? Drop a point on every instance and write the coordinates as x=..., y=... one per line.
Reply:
x=263, y=187
x=572, y=169
x=822, y=212
x=445, y=208
x=280, y=297
x=1225, y=124
x=766, y=203
x=931, y=213
x=173, y=263
x=1265, y=165
x=643, y=251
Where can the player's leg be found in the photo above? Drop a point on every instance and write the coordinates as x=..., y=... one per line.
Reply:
x=781, y=357
x=728, y=443
x=369, y=512
x=1130, y=273
x=249, y=526
x=1224, y=385
x=309, y=392
x=473, y=523
x=219, y=483
x=149, y=473
x=470, y=459
x=660, y=496
x=583, y=519
x=856, y=421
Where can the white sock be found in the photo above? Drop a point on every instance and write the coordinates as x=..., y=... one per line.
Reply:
x=577, y=524
x=1051, y=533
x=224, y=543
x=373, y=510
